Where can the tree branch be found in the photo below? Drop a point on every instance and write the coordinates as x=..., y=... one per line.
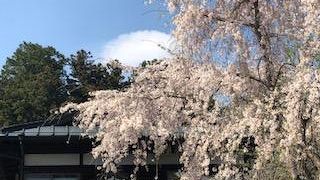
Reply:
x=280, y=72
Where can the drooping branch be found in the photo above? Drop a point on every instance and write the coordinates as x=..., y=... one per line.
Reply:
x=264, y=42
x=313, y=156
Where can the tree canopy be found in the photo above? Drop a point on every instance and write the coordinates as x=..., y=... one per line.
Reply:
x=37, y=80
x=87, y=76
x=269, y=88
x=31, y=84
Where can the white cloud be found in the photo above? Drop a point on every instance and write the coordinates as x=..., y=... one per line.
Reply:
x=135, y=47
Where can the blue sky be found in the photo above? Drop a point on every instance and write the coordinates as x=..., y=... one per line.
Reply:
x=70, y=25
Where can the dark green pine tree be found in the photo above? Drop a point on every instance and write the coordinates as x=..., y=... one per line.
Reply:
x=31, y=84
x=87, y=76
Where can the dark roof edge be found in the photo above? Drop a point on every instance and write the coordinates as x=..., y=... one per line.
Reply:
x=56, y=120
x=16, y=127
